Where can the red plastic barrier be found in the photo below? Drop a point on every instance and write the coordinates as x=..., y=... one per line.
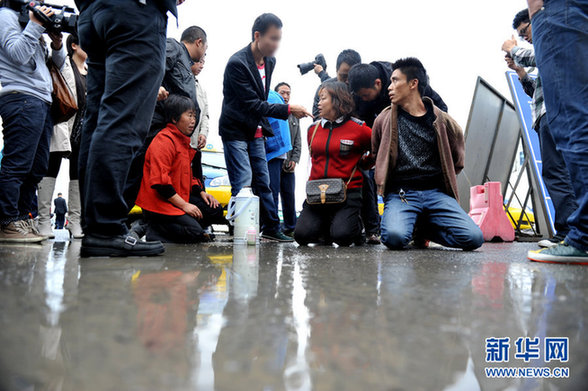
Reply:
x=487, y=210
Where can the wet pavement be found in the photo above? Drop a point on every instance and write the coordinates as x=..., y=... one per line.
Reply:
x=279, y=317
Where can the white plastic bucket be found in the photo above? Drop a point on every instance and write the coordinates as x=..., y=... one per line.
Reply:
x=243, y=214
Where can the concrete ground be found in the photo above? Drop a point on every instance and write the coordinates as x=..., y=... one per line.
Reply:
x=279, y=317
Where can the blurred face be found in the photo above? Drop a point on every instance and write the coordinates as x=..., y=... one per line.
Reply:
x=370, y=94
x=343, y=73
x=325, y=105
x=197, y=67
x=269, y=42
x=400, y=88
x=284, y=91
x=525, y=32
x=187, y=122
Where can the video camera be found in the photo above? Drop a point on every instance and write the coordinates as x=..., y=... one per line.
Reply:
x=309, y=66
x=64, y=19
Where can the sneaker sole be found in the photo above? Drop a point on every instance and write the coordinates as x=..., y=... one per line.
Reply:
x=101, y=252
x=276, y=239
x=38, y=239
x=537, y=257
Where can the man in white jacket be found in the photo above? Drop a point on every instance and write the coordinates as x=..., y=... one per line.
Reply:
x=201, y=131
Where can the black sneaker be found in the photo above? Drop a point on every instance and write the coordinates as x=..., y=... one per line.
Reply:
x=277, y=237
x=118, y=246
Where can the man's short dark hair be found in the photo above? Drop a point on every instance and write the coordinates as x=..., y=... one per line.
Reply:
x=58, y=194
x=281, y=85
x=192, y=34
x=520, y=18
x=263, y=24
x=340, y=97
x=363, y=76
x=349, y=57
x=176, y=105
x=413, y=69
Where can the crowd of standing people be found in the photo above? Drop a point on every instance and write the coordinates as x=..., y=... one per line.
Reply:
x=379, y=130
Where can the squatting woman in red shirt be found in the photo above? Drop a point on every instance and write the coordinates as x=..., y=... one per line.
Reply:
x=338, y=144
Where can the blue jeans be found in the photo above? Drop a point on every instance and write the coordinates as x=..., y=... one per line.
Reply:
x=560, y=38
x=440, y=219
x=287, y=193
x=246, y=166
x=274, y=168
x=125, y=42
x=27, y=127
x=557, y=180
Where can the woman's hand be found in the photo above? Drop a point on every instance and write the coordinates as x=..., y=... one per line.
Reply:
x=192, y=210
x=209, y=199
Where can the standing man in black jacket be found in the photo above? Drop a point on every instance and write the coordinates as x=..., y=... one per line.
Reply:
x=125, y=42
x=243, y=123
x=60, y=211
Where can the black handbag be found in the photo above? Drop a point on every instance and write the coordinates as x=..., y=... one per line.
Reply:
x=327, y=190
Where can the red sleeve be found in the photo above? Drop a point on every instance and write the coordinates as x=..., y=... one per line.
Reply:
x=158, y=161
x=366, y=138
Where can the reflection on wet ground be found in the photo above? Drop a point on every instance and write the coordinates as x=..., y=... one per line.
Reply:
x=278, y=317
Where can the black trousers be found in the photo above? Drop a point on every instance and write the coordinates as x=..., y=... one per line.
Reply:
x=340, y=223
x=59, y=220
x=125, y=42
x=184, y=228
x=370, y=213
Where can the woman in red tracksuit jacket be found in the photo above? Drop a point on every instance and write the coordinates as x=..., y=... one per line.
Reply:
x=339, y=144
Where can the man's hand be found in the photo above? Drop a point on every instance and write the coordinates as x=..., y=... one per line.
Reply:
x=511, y=64
x=46, y=10
x=509, y=44
x=192, y=210
x=56, y=40
x=209, y=199
x=299, y=111
x=201, y=141
x=291, y=166
x=318, y=69
x=162, y=94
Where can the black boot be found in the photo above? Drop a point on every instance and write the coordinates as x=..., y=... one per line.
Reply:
x=118, y=246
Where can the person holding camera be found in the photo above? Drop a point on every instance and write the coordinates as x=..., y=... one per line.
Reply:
x=337, y=144
x=125, y=42
x=25, y=108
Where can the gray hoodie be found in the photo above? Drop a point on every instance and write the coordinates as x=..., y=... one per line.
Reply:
x=23, y=58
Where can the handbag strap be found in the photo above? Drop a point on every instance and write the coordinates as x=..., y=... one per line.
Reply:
x=312, y=138
x=310, y=152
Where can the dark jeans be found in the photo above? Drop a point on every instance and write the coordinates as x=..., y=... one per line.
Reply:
x=27, y=127
x=440, y=218
x=560, y=38
x=557, y=180
x=246, y=166
x=274, y=168
x=288, y=195
x=125, y=42
x=59, y=220
x=184, y=228
x=339, y=223
x=370, y=213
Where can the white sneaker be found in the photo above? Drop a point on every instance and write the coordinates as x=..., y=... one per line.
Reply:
x=547, y=243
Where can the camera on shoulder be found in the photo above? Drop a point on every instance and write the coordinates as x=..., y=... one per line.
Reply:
x=64, y=19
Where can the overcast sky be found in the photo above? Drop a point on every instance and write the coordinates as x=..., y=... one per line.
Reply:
x=457, y=41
